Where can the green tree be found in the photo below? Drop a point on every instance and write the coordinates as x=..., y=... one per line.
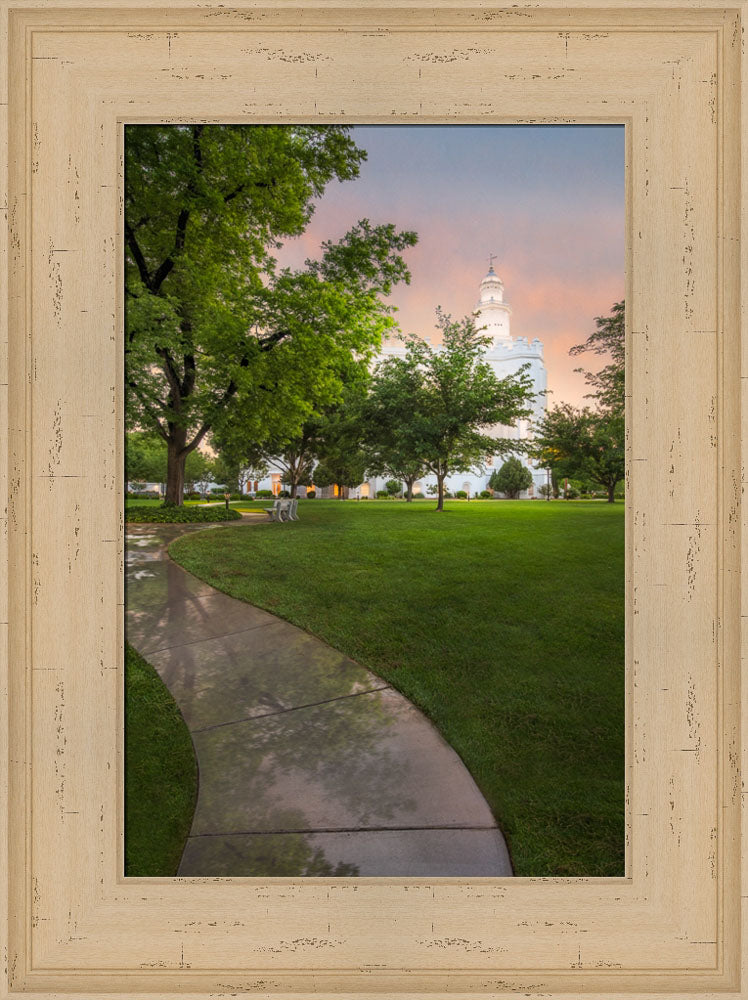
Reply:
x=213, y=331
x=394, y=487
x=588, y=442
x=391, y=447
x=228, y=472
x=145, y=458
x=293, y=458
x=199, y=471
x=456, y=398
x=343, y=460
x=511, y=479
x=585, y=443
x=608, y=339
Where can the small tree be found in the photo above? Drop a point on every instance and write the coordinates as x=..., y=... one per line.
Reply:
x=145, y=458
x=586, y=443
x=607, y=340
x=455, y=397
x=394, y=487
x=392, y=449
x=511, y=479
x=199, y=472
x=342, y=459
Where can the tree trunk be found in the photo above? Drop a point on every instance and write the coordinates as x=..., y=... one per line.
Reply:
x=440, y=501
x=611, y=492
x=176, y=457
x=409, y=491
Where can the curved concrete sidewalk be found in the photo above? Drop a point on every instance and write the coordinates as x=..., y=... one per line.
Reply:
x=309, y=764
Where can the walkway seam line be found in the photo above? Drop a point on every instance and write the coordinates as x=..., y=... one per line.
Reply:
x=340, y=829
x=210, y=638
x=285, y=711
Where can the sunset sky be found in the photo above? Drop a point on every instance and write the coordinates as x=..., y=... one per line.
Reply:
x=547, y=200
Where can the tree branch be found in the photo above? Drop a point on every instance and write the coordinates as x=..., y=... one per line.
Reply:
x=150, y=411
x=137, y=255
x=269, y=342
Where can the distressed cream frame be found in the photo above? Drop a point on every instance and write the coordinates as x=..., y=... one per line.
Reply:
x=76, y=72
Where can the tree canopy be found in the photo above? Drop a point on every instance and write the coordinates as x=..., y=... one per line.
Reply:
x=216, y=334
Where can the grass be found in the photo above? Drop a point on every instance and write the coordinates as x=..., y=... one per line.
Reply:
x=503, y=622
x=160, y=773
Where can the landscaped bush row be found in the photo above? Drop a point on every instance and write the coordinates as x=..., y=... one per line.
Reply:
x=142, y=495
x=180, y=515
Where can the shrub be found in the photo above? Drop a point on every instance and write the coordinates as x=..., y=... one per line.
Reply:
x=448, y=495
x=545, y=490
x=382, y=494
x=511, y=479
x=485, y=494
x=180, y=515
x=284, y=494
x=461, y=494
x=236, y=496
x=264, y=494
x=393, y=487
x=311, y=494
x=363, y=498
x=144, y=495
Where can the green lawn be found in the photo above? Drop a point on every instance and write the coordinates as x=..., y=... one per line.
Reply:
x=503, y=621
x=160, y=773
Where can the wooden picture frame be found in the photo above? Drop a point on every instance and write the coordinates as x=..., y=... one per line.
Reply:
x=75, y=74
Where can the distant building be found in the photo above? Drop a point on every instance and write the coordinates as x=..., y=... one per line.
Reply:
x=505, y=355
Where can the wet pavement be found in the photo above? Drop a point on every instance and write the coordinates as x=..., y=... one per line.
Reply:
x=308, y=763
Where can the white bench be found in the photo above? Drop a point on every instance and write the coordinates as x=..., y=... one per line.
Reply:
x=283, y=510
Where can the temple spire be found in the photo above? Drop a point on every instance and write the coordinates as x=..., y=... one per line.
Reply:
x=492, y=312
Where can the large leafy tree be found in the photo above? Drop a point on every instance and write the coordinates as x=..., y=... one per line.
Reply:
x=456, y=399
x=213, y=331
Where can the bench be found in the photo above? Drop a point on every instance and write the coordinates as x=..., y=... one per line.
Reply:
x=283, y=510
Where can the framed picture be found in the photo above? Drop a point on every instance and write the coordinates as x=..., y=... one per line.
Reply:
x=77, y=77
